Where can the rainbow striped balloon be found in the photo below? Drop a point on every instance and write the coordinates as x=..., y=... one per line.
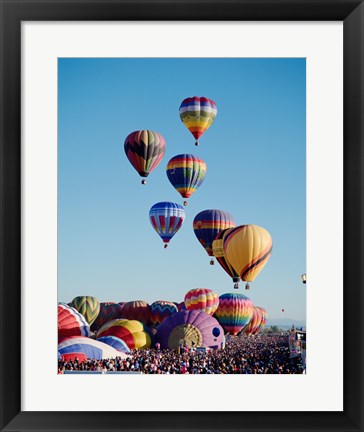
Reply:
x=263, y=320
x=186, y=173
x=234, y=312
x=253, y=326
x=202, y=299
x=208, y=223
x=197, y=114
x=160, y=310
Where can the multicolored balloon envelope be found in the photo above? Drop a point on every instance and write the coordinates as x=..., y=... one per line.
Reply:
x=115, y=343
x=134, y=333
x=160, y=310
x=218, y=252
x=234, y=312
x=88, y=306
x=253, y=325
x=248, y=248
x=166, y=218
x=144, y=149
x=208, y=223
x=108, y=312
x=263, y=322
x=197, y=114
x=93, y=349
x=192, y=329
x=186, y=173
x=138, y=310
x=71, y=322
x=181, y=306
x=202, y=299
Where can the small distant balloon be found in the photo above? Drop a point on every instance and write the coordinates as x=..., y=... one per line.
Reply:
x=166, y=218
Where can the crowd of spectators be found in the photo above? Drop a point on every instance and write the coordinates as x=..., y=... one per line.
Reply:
x=259, y=354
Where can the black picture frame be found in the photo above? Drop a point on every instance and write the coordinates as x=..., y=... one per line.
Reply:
x=13, y=12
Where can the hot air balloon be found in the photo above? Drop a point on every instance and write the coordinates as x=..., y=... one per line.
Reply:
x=93, y=349
x=191, y=328
x=254, y=323
x=88, y=306
x=134, y=333
x=197, y=114
x=263, y=321
x=137, y=310
x=218, y=252
x=144, y=149
x=186, y=173
x=108, y=312
x=115, y=343
x=71, y=322
x=166, y=218
x=234, y=312
x=207, y=224
x=160, y=310
x=248, y=248
x=202, y=299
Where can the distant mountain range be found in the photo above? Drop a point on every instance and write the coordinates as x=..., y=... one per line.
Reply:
x=285, y=322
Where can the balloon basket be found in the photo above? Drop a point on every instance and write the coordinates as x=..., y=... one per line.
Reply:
x=212, y=262
x=247, y=287
x=165, y=246
x=197, y=143
x=185, y=203
x=143, y=182
x=236, y=286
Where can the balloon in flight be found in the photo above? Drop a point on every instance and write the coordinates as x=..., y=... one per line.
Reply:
x=166, y=218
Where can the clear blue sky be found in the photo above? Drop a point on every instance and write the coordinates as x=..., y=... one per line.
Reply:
x=255, y=153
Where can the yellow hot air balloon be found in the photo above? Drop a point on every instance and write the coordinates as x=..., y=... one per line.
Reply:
x=248, y=248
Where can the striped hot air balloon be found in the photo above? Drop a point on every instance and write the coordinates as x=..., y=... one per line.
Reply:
x=218, y=252
x=134, y=333
x=71, y=322
x=144, y=149
x=253, y=325
x=263, y=321
x=88, y=306
x=137, y=310
x=166, y=218
x=186, y=173
x=248, y=248
x=234, y=312
x=160, y=310
x=202, y=299
x=92, y=349
x=208, y=223
x=197, y=114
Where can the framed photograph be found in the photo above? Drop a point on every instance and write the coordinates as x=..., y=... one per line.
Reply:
x=97, y=94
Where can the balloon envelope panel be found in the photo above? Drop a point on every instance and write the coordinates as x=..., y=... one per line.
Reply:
x=71, y=322
x=108, y=312
x=254, y=322
x=190, y=328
